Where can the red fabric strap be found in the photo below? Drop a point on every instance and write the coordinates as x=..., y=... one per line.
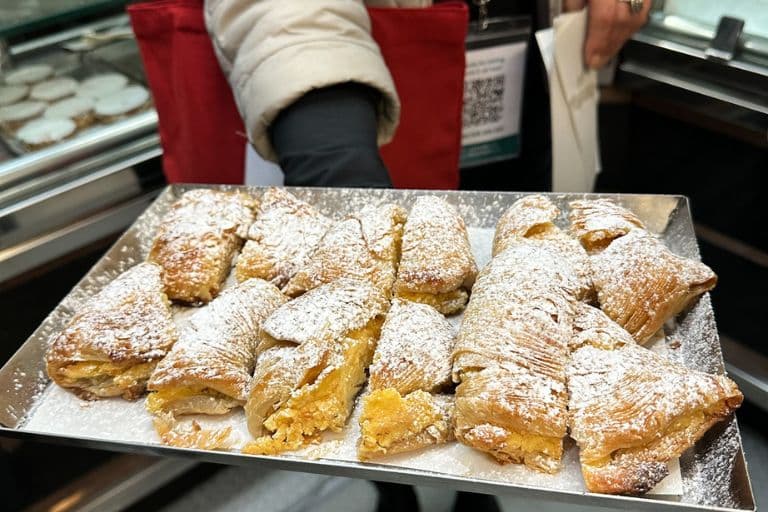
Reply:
x=203, y=135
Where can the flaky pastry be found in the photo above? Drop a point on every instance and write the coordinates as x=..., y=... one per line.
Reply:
x=307, y=381
x=597, y=222
x=282, y=237
x=436, y=266
x=412, y=361
x=510, y=358
x=111, y=345
x=209, y=369
x=391, y=423
x=641, y=284
x=631, y=411
x=365, y=245
x=197, y=240
x=414, y=351
x=533, y=218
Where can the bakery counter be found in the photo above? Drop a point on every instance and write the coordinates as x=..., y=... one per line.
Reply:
x=58, y=196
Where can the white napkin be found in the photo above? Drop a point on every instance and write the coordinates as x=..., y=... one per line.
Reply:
x=573, y=104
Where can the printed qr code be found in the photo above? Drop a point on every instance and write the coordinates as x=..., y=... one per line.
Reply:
x=483, y=101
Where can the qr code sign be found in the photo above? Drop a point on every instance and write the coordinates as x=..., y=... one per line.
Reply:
x=483, y=101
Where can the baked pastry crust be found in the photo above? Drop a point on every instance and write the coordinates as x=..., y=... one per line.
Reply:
x=281, y=239
x=596, y=223
x=111, y=345
x=510, y=358
x=209, y=369
x=391, y=423
x=631, y=411
x=592, y=327
x=436, y=266
x=529, y=216
x=533, y=218
x=306, y=383
x=365, y=245
x=414, y=351
x=412, y=360
x=192, y=435
x=641, y=284
x=197, y=240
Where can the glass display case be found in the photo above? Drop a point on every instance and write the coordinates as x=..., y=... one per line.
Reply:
x=58, y=197
x=708, y=57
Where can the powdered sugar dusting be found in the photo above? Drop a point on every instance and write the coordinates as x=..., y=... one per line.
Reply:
x=436, y=256
x=282, y=238
x=414, y=350
x=218, y=344
x=197, y=239
x=362, y=301
x=57, y=412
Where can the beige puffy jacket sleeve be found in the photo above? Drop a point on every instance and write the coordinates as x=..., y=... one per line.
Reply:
x=274, y=51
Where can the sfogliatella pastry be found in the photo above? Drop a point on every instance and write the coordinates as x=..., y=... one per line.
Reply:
x=510, y=358
x=365, y=245
x=209, y=369
x=533, y=218
x=403, y=409
x=631, y=410
x=111, y=345
x=414, y=351
x=306, y=382
x=640, y=283
x=282, y=237
x=596, y=223
x=41, y=133
x=436, y=266
x=197, y=240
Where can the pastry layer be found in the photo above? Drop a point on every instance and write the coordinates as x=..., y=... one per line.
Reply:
x=101, y=379
x=631, y=411
x=281, y=239
x=325, y=402
x=190, y=400
x=209, y=369
x=414, y=352
x=436, y=266
x=446, y=303
x=641, y=284
x=515, y=416
x=391, y=423
x=112, y=344
x=596, y=223
x=365, y=245
x=197, y=240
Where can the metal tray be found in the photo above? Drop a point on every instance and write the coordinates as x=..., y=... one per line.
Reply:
x=714, y=475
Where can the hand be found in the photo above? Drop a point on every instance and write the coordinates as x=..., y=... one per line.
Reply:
x=611, y=24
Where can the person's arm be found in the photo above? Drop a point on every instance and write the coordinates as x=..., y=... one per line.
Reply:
x=327, y=138
x=274, y=52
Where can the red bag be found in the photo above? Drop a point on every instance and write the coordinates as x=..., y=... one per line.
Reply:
x=201, y=131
